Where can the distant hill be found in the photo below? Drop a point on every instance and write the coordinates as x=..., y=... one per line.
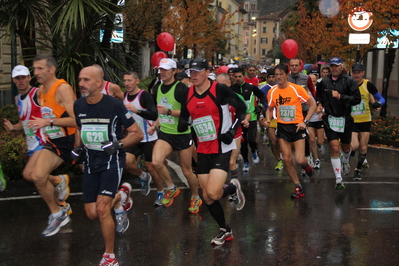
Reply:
x=270, y=6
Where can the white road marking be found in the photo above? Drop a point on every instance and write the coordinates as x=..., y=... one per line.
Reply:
x=178, y=171
x=379, y=209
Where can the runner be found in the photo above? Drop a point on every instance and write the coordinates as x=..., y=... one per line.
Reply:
x=141, y=105
x=28, y=108
x=336, y=94
x=168, y=99
x=361, y=114
x=287, y=98
x=101, y=140
x=206, y=102
x=57, y=120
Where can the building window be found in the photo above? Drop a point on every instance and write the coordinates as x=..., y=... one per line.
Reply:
x=263, y=40
x=264, y=30
x=254, y=50
x=247, y=33
x=254, y=41
x=263, y=51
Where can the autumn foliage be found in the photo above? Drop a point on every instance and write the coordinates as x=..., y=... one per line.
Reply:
x=320, y=35
x=194, y=24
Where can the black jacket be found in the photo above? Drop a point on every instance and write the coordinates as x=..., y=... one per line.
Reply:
x=350, y=95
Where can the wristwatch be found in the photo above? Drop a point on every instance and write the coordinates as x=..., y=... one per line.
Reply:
x=120, y=144
x=169, y=112
x=51, y=122
x=138, y=111
x=306, y=121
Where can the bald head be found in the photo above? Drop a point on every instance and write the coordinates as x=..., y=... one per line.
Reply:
x=90, y=81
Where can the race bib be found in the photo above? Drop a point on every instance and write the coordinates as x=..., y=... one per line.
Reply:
x=53, y=132
x=29, y=134
x=337, y=124
x=93, y=135
x=205, y=128
x=359, y=109
x=287, y=113
x=167, y=119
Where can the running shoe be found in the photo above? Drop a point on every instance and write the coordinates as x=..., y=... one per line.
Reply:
x=303, y=172
x=127, y=189
x=122, y=222
x=339, y=184
x=55, y=224
x=223, y=236
x=240, y=198
x=159, y=198
x=255, y=157
x=65, y=207
x=317, y=164
x=365, y=164
x=279, y=165
x=357, y=175
x=346, y=168
x=195, y=204
x=245, y=168
x=62, y=188
x=169, y=196
x=298, y=192
x=107, y=261
x=145, y=184
x=310, y=160
x=309, y=170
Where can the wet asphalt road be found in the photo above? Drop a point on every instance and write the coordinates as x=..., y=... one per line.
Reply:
x=355, y=226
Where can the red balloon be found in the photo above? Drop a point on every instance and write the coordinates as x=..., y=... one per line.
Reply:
x=156, y=57
x=222, y=69
x=289, y=48
x=166, y=41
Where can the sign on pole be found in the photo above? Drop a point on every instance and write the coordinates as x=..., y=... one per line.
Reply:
x=360, y=19
x=359, y=38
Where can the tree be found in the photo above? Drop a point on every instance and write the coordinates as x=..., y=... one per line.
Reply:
x=68, y=28
x=22, y=18
x=318, y=35
x=194, y=26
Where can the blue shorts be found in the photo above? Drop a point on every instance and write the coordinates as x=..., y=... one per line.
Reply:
x=31, y=152
x=104, y=183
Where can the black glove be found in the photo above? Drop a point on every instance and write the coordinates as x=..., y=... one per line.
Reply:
x=227, y=137
x=76, y=153
x=110, y=147
x=376, y=105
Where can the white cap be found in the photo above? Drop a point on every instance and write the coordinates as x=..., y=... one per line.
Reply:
x=20, y=71
x=212, y=76
x=263, y=71
x=167, y=63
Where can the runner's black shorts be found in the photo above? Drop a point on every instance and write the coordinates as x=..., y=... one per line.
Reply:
x=62, y=147
x=142, y=148
x=345, y=137
x=207, y=162
x=105, y=183
x=288, y=132
x=178, y=142
x=361, y=127
x=317, y=124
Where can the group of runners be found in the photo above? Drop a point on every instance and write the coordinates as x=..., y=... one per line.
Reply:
x=210, y=123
